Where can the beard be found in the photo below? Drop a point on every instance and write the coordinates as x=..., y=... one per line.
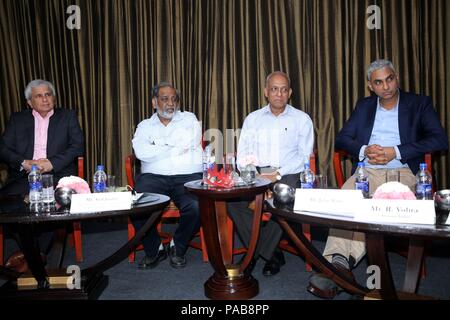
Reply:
x=167, y=113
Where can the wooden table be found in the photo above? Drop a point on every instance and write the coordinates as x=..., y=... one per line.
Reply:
x=375, y=243
x=15, y=212
x=229, y=280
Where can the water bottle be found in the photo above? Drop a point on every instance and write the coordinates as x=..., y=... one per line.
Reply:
x=423, y=183
x=362, y=179
x=35, y=184
x=208, y=162
x=307, y=178
x=100, y=179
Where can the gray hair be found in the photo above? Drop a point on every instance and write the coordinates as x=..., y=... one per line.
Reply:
x=379, y=64
x=163, y=84
x=278, y=73
x=38, y=83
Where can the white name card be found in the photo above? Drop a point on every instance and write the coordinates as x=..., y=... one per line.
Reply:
x=106, y=201
x=329, y=201
x=397, y=211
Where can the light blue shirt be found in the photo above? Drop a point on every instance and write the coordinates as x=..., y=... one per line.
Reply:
x=385, y=133
x=284, y=141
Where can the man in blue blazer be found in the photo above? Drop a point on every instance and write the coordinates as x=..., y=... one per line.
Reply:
x=44, y=135
x=391, y=130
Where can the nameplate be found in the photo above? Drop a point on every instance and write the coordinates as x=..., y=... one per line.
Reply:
x=105, y=201
x=397, y=211
x=336, y=202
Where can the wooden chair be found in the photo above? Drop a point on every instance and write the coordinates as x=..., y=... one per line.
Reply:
x=339, y=158
x=170, y=212
x=75, y=238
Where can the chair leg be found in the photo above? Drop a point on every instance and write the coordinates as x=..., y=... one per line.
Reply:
x=1, y=245
x=77, y=241
x=131, y=233
x=423, y=269
x=203, y=245
x=307, y=233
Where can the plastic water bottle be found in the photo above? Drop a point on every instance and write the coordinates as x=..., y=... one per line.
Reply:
x=423, y=183
x=362, y=179
x=35, y=184
x=208, y=162
x=307, y=178
x=100, y=179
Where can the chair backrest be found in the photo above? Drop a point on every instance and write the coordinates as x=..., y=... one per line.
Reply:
x=340, y=156
x=130, y=169
x=80, y=165
x=312, y=162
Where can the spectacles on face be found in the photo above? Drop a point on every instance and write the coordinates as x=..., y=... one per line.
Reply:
x=42, y=95
x=282, y=90
x=166, y=99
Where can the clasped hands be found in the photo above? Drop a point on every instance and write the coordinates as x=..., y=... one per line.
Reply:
x=44, y=165
x=379, y=155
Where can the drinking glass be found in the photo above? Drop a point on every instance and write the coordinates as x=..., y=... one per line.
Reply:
x=392, y=175
x=321, y=181
x=48, y=192
x=111, y=183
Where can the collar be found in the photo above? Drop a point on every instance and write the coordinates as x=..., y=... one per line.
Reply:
x=380, y=107
x=176, y=117
x=36, y=114
x=266, y=110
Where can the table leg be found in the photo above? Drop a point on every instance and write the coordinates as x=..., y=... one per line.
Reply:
x=377, y=256
x=32, y=254
x=122, y=253
x=227, y=282
x=312, y=255
x=413, y=266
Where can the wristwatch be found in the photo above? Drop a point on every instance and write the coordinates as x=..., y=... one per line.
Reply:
x=278, y=176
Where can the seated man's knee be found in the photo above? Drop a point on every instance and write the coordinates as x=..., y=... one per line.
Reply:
x=191, y=209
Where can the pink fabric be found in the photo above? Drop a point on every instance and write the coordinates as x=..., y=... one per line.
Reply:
x=40, y=135
x=75, y=183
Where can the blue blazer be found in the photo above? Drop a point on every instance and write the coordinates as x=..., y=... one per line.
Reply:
x=65, y=142
x=420, y=129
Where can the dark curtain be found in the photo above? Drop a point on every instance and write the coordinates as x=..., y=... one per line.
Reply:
x=218, y=53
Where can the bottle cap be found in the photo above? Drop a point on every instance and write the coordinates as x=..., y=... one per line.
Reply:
x=101, y=167
x=306, y=165
x=423, y=166
x=34, y=167
x=361, y=164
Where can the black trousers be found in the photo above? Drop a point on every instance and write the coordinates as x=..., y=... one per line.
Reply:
x=270, y=231
x=173, y=187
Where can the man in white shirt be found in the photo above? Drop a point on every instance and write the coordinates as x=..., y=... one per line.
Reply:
x=281, y=138
x=169, y=148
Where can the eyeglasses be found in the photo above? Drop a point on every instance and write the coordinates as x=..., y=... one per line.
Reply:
x=166, y=99
x=41, y=96
x=282, y=90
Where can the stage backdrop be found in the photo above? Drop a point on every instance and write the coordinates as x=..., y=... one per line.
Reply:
x=218, y=53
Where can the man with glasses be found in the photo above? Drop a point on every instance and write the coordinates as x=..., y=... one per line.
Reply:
x=169, y=148
x=44, y=135
x=281, y=138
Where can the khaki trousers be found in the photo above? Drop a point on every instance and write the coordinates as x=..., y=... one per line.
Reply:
x=350, y=243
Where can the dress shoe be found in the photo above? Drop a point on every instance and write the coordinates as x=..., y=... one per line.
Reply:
x=323, y=287
x=273, y=266
x=250, y=266
x=176, y=261
x=151, y=262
